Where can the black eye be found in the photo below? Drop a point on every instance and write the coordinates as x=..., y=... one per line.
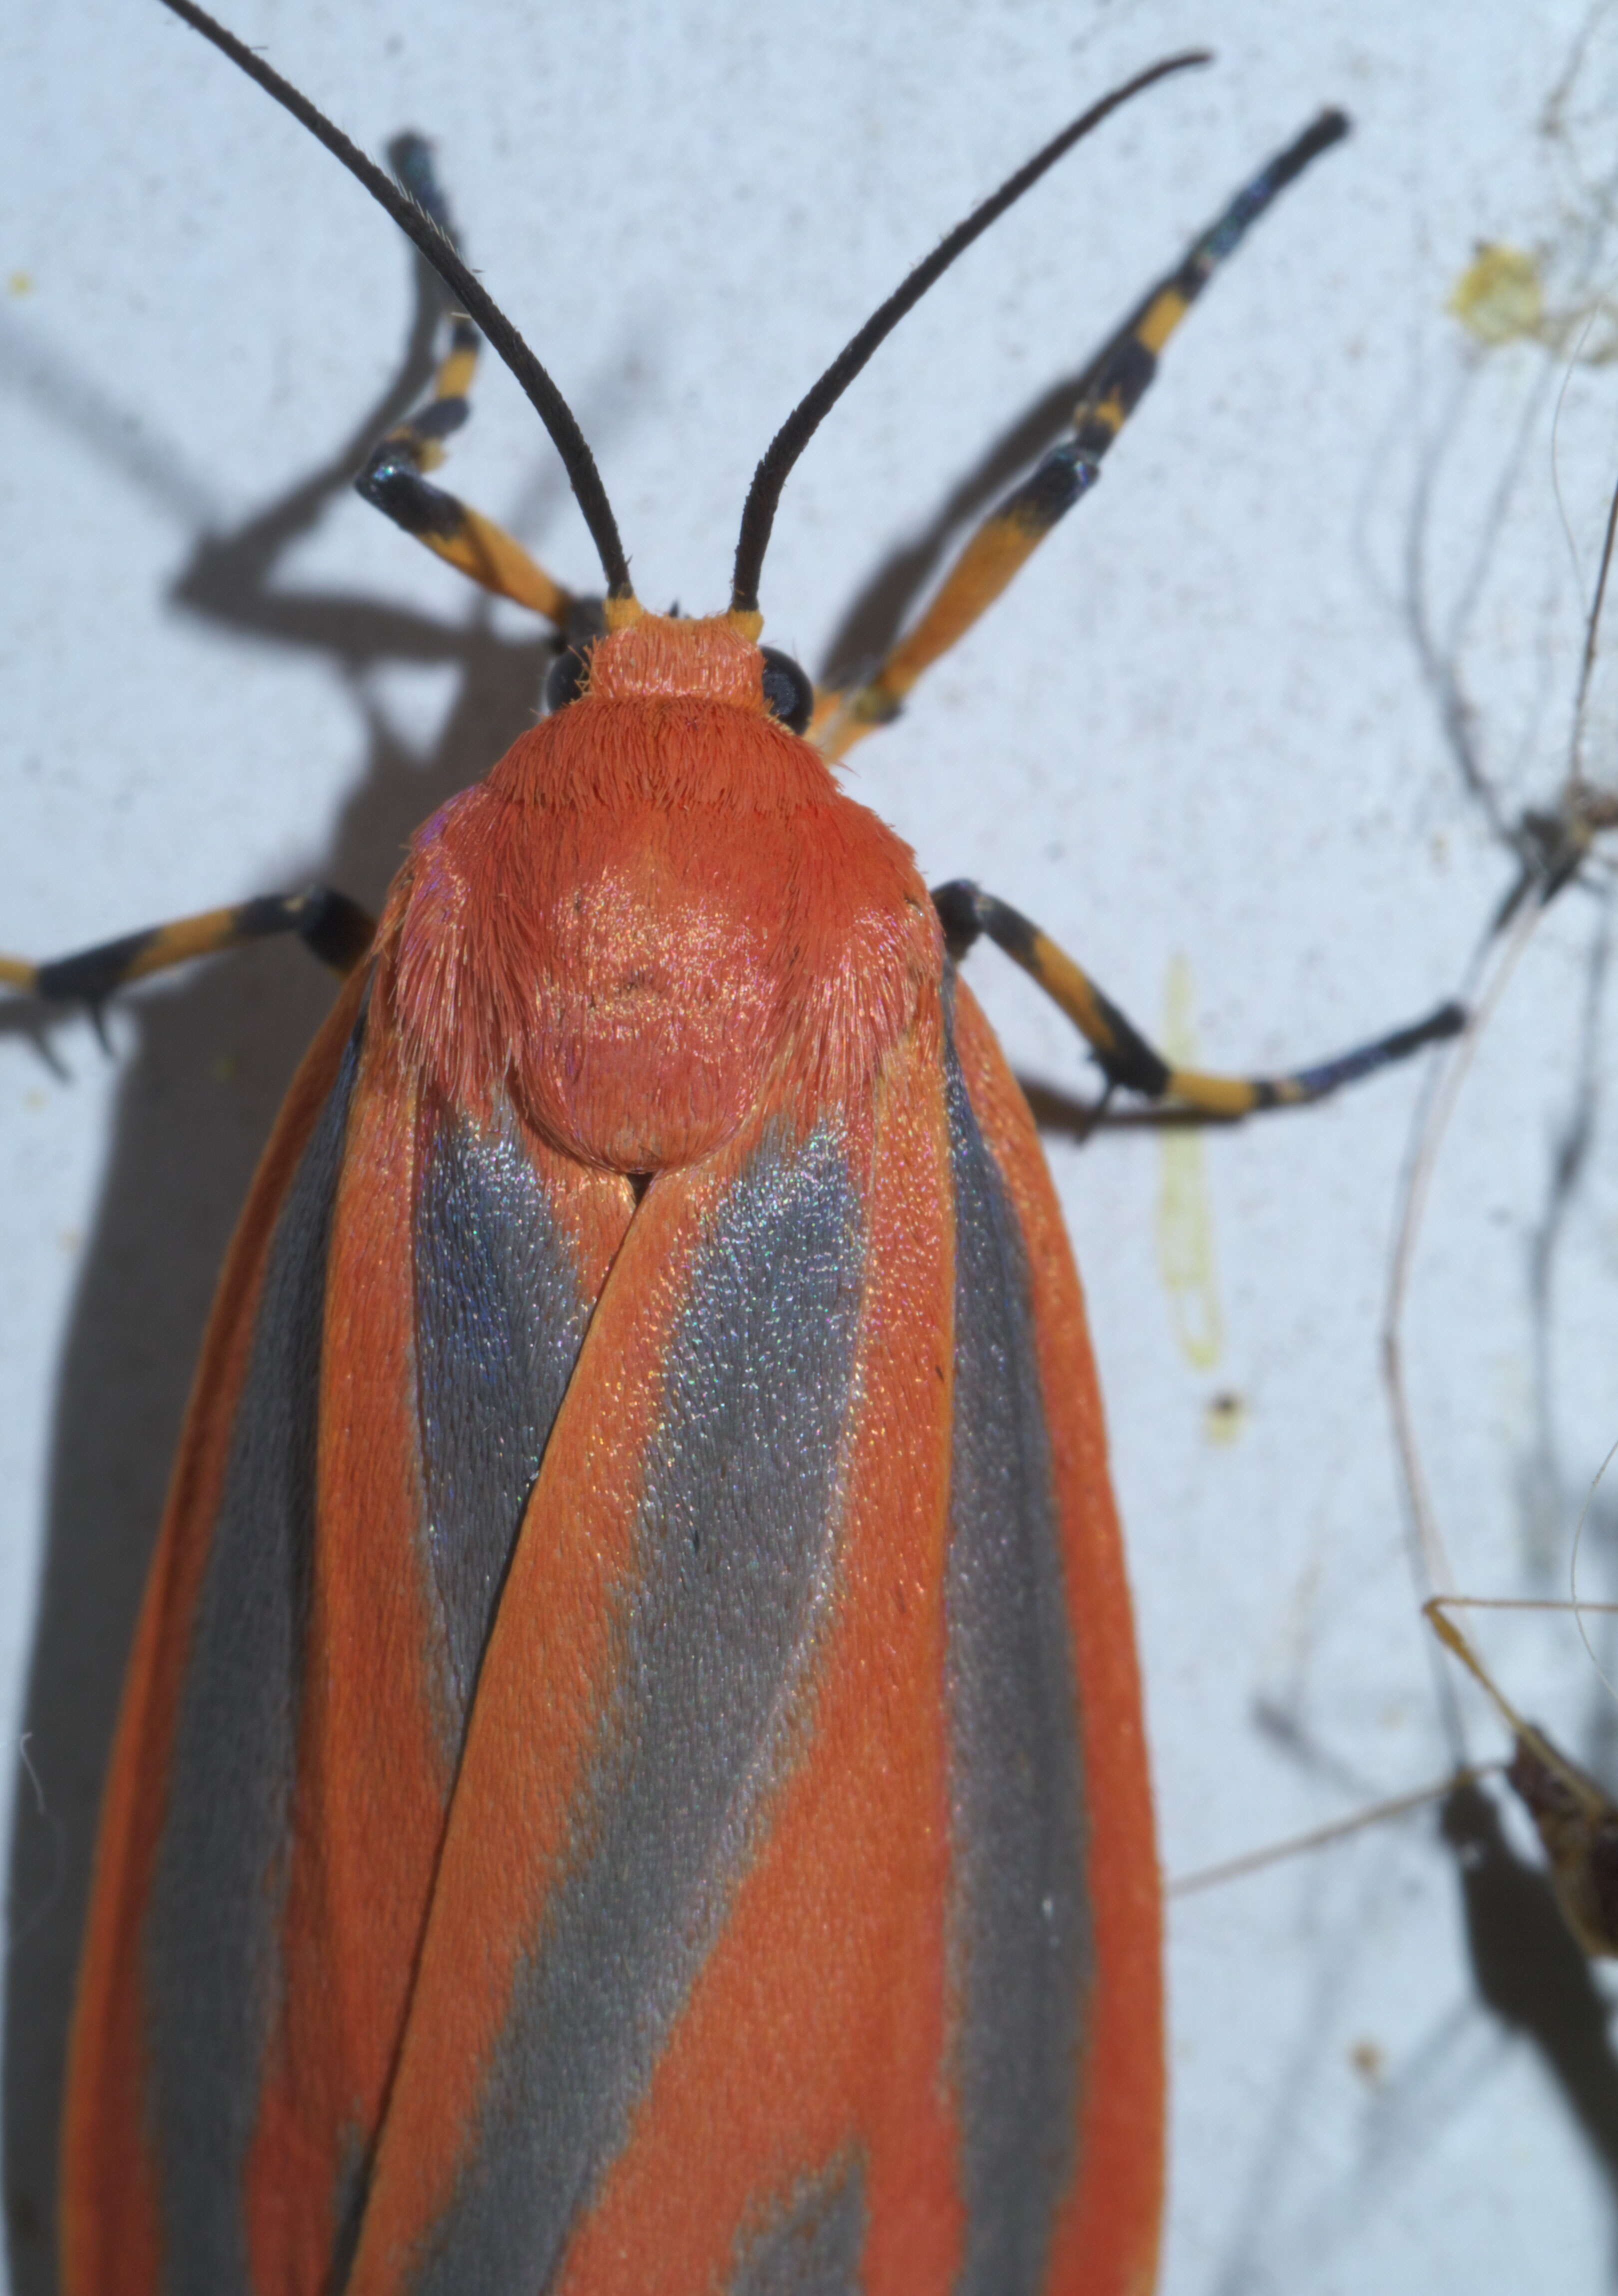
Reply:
x=788, y=694
x=564, y=679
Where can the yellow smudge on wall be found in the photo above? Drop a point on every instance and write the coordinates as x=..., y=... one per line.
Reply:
x=1502, y=298
x=1499, y=296
x=1185, y=1211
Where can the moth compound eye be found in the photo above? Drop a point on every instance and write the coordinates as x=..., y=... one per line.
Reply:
x=564, y=679
x=788, y=694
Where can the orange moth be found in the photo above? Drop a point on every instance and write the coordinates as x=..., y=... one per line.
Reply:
x=631, y=1774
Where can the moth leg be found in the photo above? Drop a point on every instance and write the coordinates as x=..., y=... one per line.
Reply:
x=392, y=479
x=1127, y=1061
x=332, y=927
x=1109, y=392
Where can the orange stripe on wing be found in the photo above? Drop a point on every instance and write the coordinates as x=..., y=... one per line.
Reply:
x=373, y=1777
x=1106, y=2236
x=112, y=2237
x=814, y=2045
x=547, y=1680
x=384, y=1699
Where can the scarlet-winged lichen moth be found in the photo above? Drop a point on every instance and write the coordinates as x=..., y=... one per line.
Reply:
x=843, y=2194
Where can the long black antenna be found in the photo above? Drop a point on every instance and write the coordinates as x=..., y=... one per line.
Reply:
x=759, y=510
x=473, y=298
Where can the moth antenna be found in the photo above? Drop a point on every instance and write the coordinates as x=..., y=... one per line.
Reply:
x=759, y=510
x=473, y=298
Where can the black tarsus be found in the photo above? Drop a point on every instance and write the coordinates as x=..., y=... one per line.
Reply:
x=759, y=510
x=419, y=226
x=90, y=976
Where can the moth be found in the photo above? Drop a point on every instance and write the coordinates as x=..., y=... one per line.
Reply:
x=631, y=1774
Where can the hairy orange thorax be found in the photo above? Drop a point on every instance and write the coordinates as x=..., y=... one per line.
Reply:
x=658, y=905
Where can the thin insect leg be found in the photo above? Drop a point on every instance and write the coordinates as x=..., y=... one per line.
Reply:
x=1318, y=1837
x=1124, y=1054
x=1112, y=391
x=329, y=925
x=392, y=477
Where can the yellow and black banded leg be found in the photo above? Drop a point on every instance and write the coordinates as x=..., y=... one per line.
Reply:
x=1111, y=391
x=392, y=479
x=1127, y=1061
x=332, y=927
